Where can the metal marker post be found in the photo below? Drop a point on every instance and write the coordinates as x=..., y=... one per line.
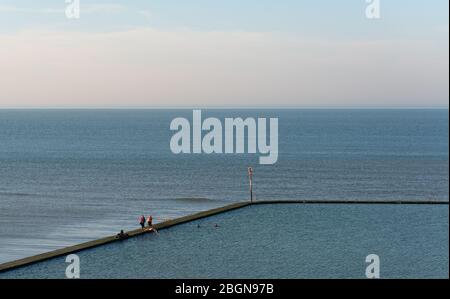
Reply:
x=250, y=177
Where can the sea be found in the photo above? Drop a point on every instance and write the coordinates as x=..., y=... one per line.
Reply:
x=69, y=176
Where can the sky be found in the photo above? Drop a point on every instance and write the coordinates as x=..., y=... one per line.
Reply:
x=224, y=53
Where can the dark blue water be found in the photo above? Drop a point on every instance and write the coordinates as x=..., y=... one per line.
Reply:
x=302, y=241
x=67, y=176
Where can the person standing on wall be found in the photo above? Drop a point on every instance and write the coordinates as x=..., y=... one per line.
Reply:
x=142, y=221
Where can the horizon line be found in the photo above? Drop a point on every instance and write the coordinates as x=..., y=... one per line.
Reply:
x=222, y=107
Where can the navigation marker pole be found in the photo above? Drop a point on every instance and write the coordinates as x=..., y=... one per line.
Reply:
x=250, y=177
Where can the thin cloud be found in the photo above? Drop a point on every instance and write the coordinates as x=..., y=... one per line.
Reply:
x=443, y=29
x=145, y=13
x=84, y=9
x=16, y=9
x=102, y=8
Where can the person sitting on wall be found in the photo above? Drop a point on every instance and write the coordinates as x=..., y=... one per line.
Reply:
x=122, y=235
x=151, y=228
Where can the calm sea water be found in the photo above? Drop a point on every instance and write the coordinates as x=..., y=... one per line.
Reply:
x=302, y=241
x=67, y=176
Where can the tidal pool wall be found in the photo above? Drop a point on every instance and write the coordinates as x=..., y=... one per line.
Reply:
x=109, y=239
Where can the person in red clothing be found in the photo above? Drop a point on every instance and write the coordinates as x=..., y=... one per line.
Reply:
x=150, y=225
x=142, y=221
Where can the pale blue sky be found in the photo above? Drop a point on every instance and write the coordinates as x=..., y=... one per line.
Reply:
x=282, y=51
x=335, y=19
